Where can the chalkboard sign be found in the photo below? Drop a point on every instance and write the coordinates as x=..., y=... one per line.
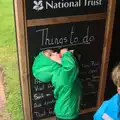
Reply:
x=84, y=38
x=81, y=25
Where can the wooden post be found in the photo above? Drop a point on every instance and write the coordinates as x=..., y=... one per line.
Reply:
x=106, y=49
x=22, y=56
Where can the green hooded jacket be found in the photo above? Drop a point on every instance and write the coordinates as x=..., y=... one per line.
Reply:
x=64, y=78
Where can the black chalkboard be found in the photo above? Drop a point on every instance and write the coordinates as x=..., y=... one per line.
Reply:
x=84, y=37
x=36, y=9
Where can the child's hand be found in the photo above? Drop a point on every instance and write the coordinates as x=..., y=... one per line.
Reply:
x=62, y=51
x=72, y=51
x=55, y=57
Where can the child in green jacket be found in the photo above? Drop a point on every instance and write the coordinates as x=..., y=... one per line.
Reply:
x=63, y=73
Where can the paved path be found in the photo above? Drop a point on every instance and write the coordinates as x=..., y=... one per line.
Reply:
x=4, y=115
x=2, y=93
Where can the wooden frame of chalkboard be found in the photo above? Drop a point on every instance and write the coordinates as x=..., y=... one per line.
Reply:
x=23, y=22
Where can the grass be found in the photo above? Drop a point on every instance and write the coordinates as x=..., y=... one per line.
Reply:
x=8, y=59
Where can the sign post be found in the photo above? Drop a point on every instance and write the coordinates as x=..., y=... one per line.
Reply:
x=83, y=25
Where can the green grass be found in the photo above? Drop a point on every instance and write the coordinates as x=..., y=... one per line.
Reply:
x=8, y=59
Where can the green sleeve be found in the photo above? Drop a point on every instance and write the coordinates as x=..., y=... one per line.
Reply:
x=70, y=68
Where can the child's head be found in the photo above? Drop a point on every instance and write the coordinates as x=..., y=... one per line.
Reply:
x=116, y=76
x=52, y=55
x=48, y=53
x=56, y=56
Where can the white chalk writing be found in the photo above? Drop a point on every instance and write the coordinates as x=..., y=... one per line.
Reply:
x=37, y=105
x=37, y=81
x=39, y=87
x=38, y=115
x=48, y=102
x=64, y=40
x=38, y=96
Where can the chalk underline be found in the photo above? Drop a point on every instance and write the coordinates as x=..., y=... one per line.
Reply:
x=60, y=46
